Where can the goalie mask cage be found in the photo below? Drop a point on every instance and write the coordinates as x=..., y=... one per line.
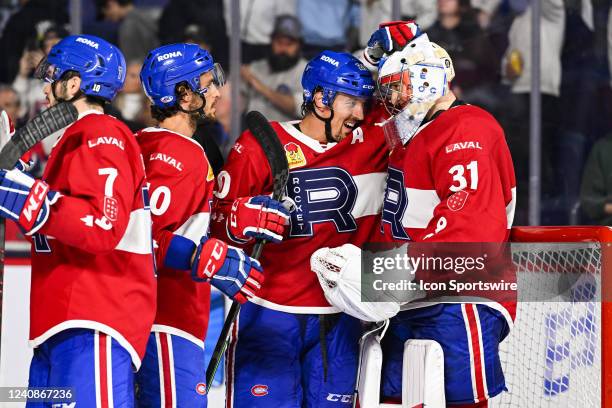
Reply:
x=558, y=354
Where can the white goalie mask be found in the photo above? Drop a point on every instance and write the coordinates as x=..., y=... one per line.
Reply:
x=339, y=273
x=409, y=83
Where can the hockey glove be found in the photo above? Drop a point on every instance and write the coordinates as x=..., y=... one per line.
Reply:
x=227, y=268
x=258, y=217
x=25, y=200
x=390, y=37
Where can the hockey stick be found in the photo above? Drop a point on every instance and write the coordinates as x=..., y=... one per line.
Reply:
x=268, y=140
x=42, y=125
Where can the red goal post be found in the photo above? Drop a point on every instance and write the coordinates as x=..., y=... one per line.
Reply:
x=573, y=367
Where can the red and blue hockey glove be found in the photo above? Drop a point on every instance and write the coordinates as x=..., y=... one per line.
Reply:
x=25, y=200
x=258, y=217
x=390, y=37
x=227, y=268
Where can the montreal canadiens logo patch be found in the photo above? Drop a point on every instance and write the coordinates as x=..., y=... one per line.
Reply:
x=201, y=388
x=259, y=390
x=456, y=201
x=295, y=155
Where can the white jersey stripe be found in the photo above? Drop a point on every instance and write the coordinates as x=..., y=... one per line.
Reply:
x=370, y=194
x=195, y=227
x=160, y=367
x=481, y=345
x=511, y=208
x=171, y=368
x=421, y=204
x=137, y=236
x=97, y=367
x=109, y=370
x=469, y=342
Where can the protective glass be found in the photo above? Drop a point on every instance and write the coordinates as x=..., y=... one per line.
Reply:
x=218, y=78
x=47, y=71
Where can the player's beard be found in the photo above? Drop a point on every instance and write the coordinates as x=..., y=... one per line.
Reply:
x=197, y=117
x=282, y=62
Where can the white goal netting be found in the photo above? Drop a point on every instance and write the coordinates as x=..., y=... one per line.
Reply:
x=552, y=357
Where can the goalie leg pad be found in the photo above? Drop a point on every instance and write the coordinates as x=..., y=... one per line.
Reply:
x=370, y=371
x=469, y=335
x=423, y=374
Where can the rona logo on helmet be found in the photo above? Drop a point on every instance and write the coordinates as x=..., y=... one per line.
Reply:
x=169, y=55
x=330, y=60
x=87, y=41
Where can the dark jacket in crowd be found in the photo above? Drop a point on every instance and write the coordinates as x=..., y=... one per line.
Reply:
x=596, y=189
x=21, y=28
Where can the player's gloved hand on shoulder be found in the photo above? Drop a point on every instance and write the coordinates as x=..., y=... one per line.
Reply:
x=25, y=200
x=258, y=217
x=227, y=268
x=391, y=36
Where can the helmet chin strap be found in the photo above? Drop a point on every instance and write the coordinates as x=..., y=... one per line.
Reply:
x=61, y=99
x=327, y=121
x=199, y=111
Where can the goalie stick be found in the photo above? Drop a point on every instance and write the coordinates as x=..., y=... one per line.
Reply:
x=268, y=140
x=42, y=125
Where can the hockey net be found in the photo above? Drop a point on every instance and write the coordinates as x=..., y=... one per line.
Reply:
x=555, y=355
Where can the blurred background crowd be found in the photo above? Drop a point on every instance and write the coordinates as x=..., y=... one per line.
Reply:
x=489, y=41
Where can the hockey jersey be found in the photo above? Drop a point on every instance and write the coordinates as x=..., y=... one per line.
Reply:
x=181, y=185
x=338, y=191
x=92, y=263
x=453, y=182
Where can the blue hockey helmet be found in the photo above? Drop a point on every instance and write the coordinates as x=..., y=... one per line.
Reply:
x=100, y=64
x=169, y=65
x=334, y=72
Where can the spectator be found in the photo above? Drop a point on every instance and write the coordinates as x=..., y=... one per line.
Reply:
x=137, y=26
x=516, y=69
x=485, y=9
x=373, y=12
x=130, y=101
x=207, y=16
x=9, y=102
x=596, y=189
x=256, y=22
x=458, y=32
x=326, y=24
x=22, y=26
x=273, y=84
x=30, y=89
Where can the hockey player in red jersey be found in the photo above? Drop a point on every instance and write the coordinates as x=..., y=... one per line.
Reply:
x=450, y=179
x=290, y=347
x=183, y=84
x=93, y=281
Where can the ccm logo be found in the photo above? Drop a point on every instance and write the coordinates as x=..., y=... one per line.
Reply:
x=259, y=390
x=35, y=200
x=339, y=398
x=169, y=55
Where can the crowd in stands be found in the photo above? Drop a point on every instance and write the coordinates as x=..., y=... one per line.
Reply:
x=489, y=41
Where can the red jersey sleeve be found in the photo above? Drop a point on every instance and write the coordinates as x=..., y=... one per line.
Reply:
x=469, y=182
x=246, y=173
x=94, y=213
x=169, y=206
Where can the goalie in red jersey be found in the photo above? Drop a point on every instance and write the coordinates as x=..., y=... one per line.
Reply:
x=450, y=179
